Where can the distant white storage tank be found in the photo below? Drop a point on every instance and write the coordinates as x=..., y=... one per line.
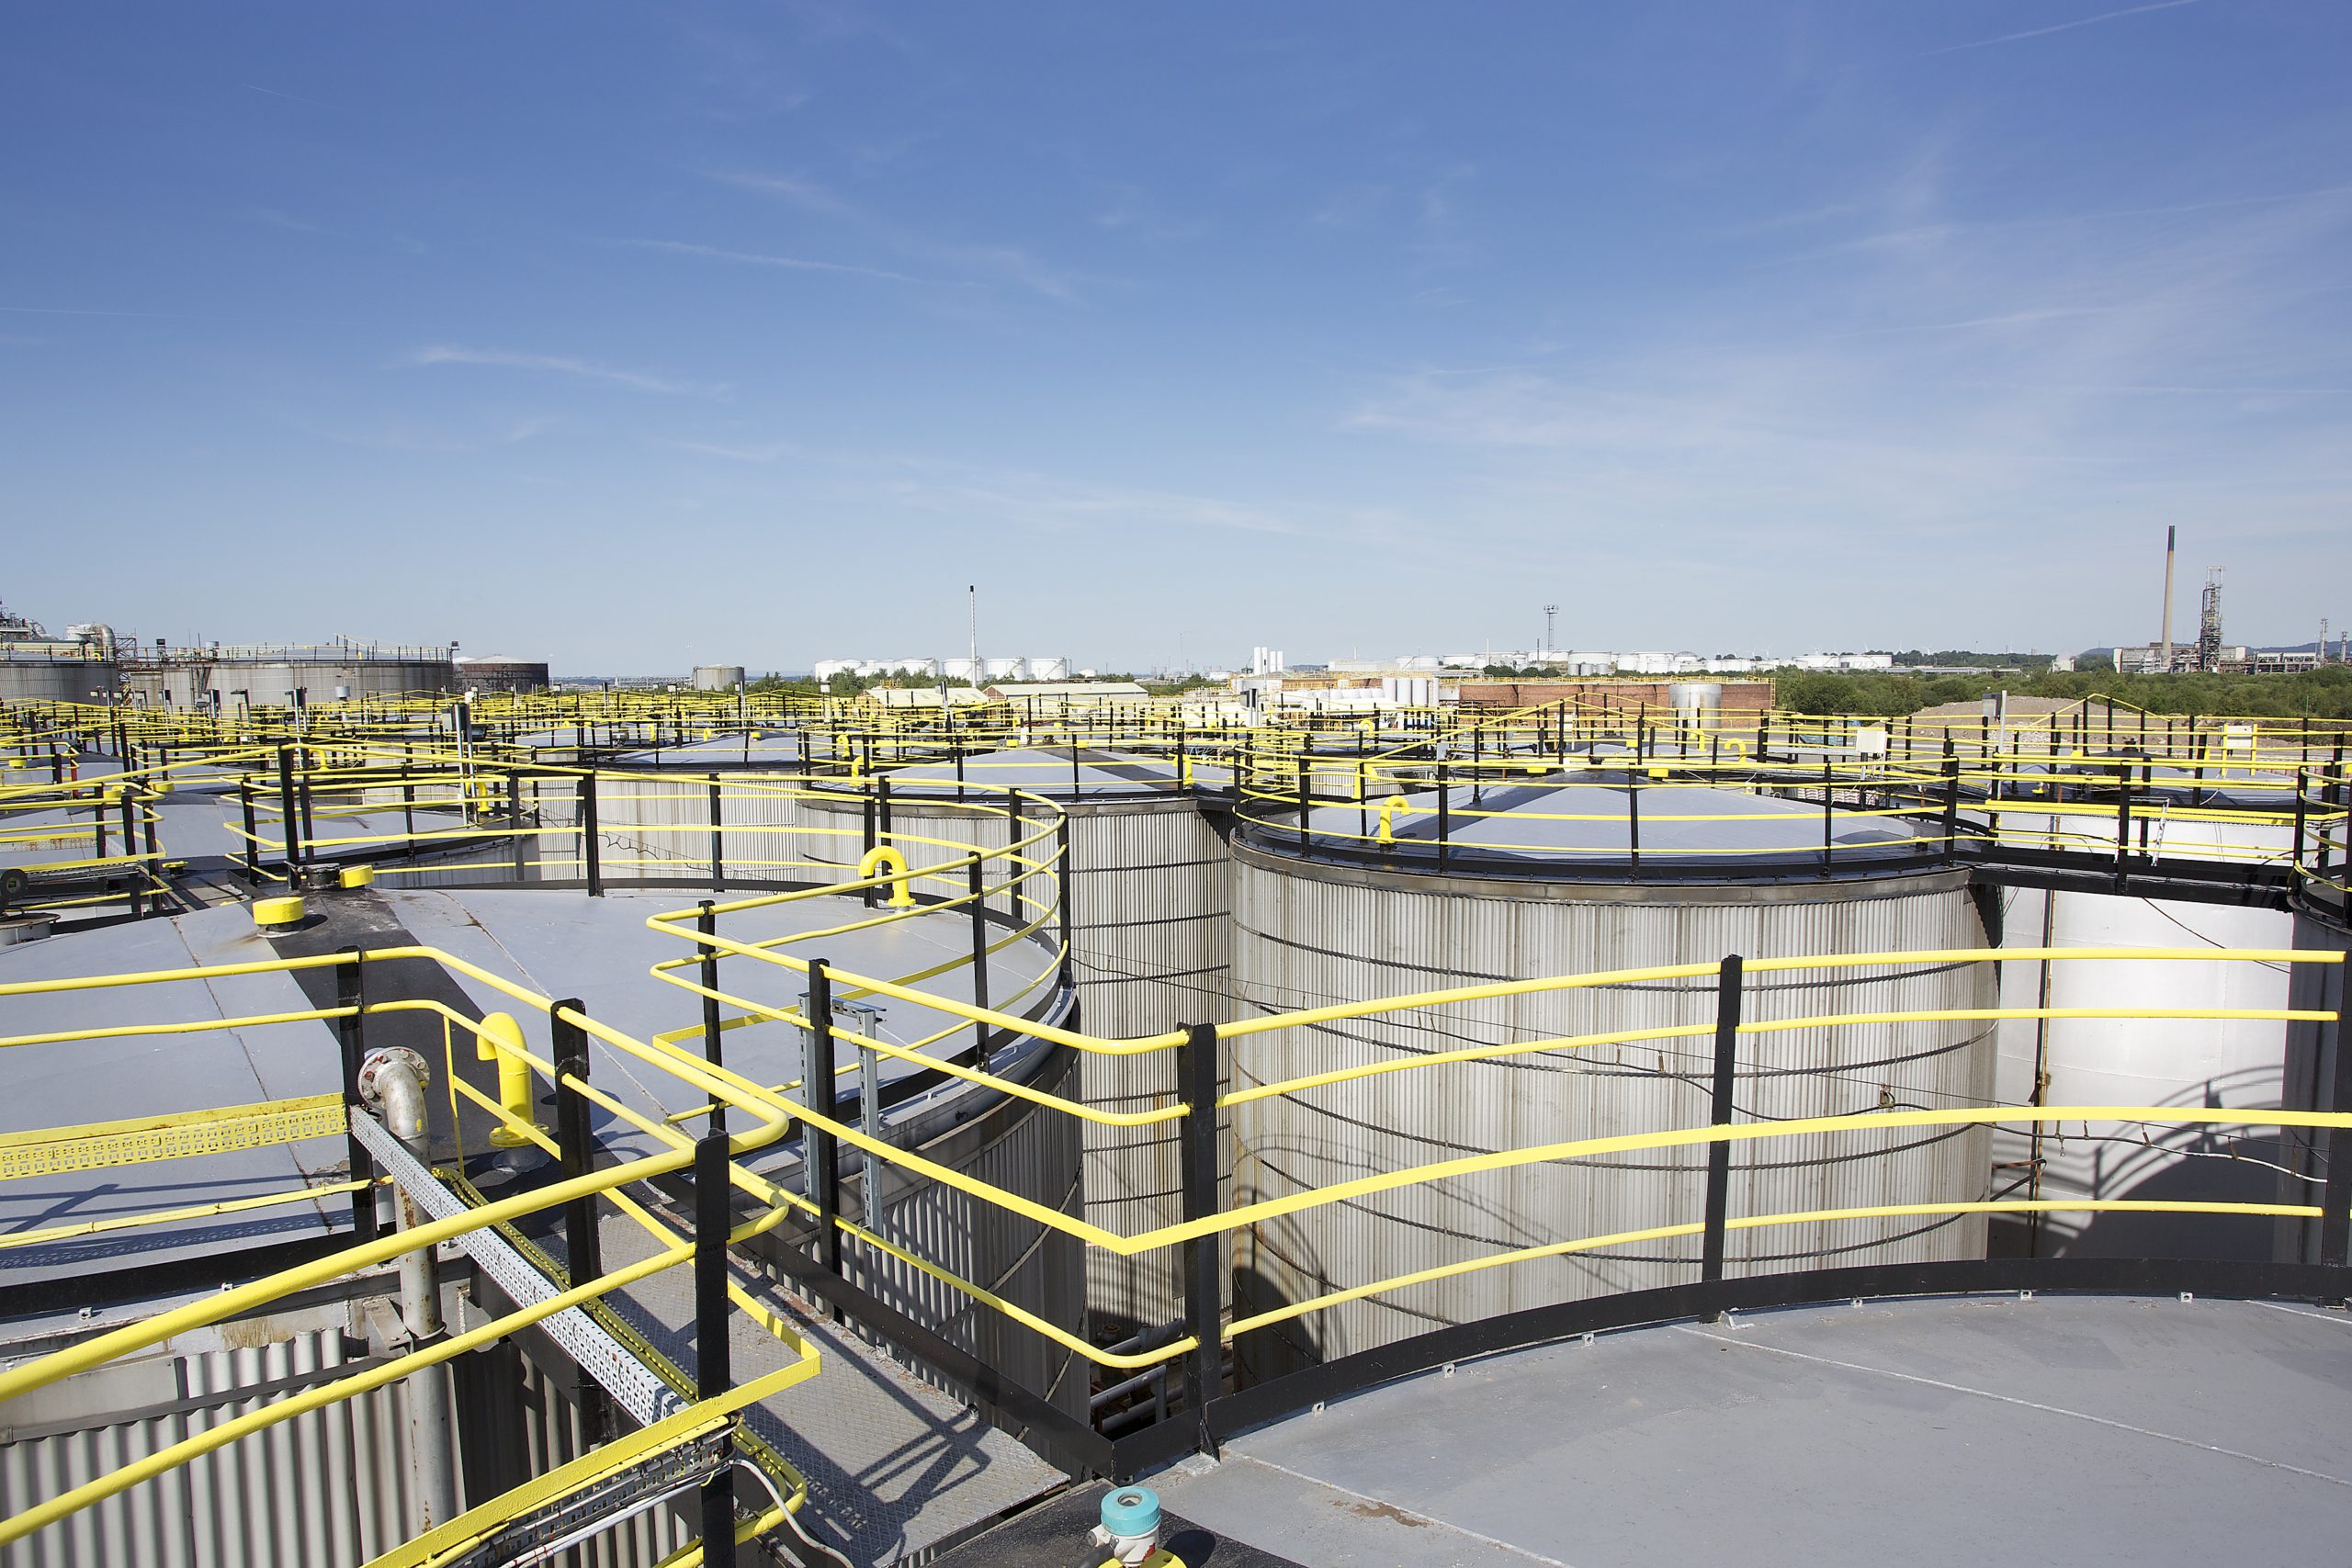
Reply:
x=1307, y=931
x=717, y=677
x=1014, y=669
x=961, y=669
x=1049, y=669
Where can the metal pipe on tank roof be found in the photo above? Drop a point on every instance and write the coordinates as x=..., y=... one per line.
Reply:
x=394, y=1082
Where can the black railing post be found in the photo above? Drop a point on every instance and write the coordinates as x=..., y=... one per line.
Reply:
x=2332, y=787
x=515, y=820
x=1444, y=817
x=718, y=872
x=290, y=816
x=977, y=881
x=592, y=861
x=1828, y=820
x=1305, y=806
x=131, y=845
x=583, y=1246
x=571, y=1057
x=1203, y=1277
x=707, y=922
x=867, y=812
x=310, y=820
x=253, y=843
x=2302, y=814
x=1633, y=823
x=351, y=1035
x=714, y=1366
x=1069, y=949
x=2336, y=1198
x=1728, y=1000
x=155, y=850
x=2122, y=824
x=1951, y=796
x=408, y=806
x=820, y=1153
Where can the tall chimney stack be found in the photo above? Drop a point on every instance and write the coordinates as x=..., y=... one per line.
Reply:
x=2165, y=665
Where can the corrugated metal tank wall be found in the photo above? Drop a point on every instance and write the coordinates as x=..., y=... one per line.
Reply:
x=1151, y=902
x=2315, y=1057
x=2179, y=1062
x=327, y=1489
x=1308, y=936
x=655, y=827
x=1010, y=1144
x=1150, y=905
x=57, y=681
x=267, y=683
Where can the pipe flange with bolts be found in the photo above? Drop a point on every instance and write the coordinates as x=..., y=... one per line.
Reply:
x=377, y=1060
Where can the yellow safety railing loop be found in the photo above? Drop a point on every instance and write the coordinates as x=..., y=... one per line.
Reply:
x=888, y=859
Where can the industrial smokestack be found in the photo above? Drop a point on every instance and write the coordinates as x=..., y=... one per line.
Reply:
x=2165, y=660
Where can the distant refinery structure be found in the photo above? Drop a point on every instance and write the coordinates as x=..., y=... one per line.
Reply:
x=2209, y=654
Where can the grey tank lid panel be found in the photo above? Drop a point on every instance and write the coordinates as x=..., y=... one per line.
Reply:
x=1931, y=1432
x=73, y=1082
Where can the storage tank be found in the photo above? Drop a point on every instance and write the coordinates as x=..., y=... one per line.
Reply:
x=241, y=680
x=1339, y=916
x=2176, y=1062
x=2314, y=1059
x=717, y=677
x=501, y=672
x=34, y=675
x=1697, y=704
x=1149, y=882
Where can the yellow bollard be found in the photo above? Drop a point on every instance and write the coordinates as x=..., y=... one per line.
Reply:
x=883, y=857
x=500, y=1040
x=274, y=912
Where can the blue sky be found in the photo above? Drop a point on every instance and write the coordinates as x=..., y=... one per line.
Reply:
x=632, y=336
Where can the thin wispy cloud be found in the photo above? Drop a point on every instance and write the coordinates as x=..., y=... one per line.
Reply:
x=757, y=259
x=1932, y=234
x=404, y=435
x=558, y=364
x=767, y=453
x=805, y=194
x=1349, y=206
x=997, y=263
x=285, y=221
x=2062, y=27
x=1056, y=504
x=2002, y=375
x=1131, y=210
x=274, y=93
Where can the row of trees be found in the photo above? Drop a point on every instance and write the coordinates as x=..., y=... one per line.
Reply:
x=2319, y=694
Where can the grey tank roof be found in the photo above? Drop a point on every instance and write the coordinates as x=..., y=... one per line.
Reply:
x=1592, y=816
x=1061, y=771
